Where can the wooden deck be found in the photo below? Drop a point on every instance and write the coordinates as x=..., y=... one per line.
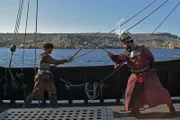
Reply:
x=112, y=112
x=156, y=113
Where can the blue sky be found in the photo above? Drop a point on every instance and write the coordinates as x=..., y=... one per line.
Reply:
x=80, y=16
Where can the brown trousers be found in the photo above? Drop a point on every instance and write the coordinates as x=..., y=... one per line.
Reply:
x=42, y=83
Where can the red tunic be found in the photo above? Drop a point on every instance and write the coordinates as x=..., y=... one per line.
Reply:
x=154, y=93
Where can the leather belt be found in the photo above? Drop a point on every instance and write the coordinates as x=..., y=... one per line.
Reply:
x=141, y=69
x=43, y=71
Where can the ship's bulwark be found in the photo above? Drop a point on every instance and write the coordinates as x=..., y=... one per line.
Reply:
x=167, y=70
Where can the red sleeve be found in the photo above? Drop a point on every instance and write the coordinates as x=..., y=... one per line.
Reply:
x=118, y=59
x=149, y=56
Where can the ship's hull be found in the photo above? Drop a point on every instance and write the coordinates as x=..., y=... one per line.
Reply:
x=111, y=88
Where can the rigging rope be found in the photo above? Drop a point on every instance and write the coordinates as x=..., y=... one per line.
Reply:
x=153, y=32
x=35, y=40
x=22, y=75
x=94, y=90
x=125, y=21
x=18, y=19
x=25, y=35
x=91, y=51
x=95, y=86
x=122, y=64
x=13, y=47
x=147, y=15
x=132, y=27
x=117, y=27
x=164, y=20
x=90, y=41
x=83, y=54
x=111, y=73
x=94, y=45
x=137, y=13
x=166, y=17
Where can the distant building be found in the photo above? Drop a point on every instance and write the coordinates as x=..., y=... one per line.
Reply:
x=21, y=46
x=171, y=46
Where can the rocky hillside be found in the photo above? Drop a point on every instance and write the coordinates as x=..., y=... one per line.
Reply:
x=77, y=40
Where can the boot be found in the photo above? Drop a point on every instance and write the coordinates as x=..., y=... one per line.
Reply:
x=135, y=112
x=53, y=100
x=171, y=108
x=27, y=102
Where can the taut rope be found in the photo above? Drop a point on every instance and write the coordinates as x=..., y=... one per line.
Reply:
x=120, y=26
x=147, y=15
x=166, y=17
x=35, y=39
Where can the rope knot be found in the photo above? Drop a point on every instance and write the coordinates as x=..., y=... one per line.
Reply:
x=68, y=87
x=21, y=75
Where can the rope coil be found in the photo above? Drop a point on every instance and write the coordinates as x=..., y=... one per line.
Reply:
x=91, y=93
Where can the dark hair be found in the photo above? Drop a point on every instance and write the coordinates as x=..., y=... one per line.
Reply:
x=48, y=46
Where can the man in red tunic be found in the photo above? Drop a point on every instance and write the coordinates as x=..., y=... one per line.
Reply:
x=143, y=87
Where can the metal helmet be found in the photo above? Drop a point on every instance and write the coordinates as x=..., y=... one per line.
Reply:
x=48, y=46
x=125, y=36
